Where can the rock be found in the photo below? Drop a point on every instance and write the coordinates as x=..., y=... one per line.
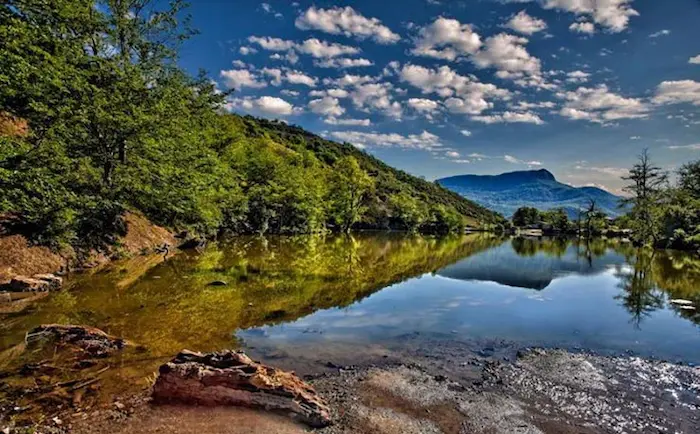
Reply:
x=218, y=283
x=28, y=284
x=36, y=283
x=232, y=378
x=93, y=341
x=681, y=301
x=55, y=282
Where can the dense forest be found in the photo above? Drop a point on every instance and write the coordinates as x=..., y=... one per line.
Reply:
x=96, y=118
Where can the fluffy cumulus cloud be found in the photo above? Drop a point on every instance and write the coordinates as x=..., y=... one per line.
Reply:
x=466, y=133
x=695, y=60
x=298, y=77
x=525, y=24
x=507, y=53
x=446, y=39
x=577, y=76
x=369, y=94
x=681, y=91
x=423, y=141
x=613, y=15
x=327, y=106
x=423, y=105
x=343, y=63
x=509, y=117
x=313, y=47
x=346, y=21
x=240, y=78
x=264, y=106
x=582, y=27
x=599, y=104
x=463, y=94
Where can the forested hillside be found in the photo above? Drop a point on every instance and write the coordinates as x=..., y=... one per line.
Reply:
x=97, y=119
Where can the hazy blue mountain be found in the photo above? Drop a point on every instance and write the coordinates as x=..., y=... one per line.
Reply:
x=507, y=192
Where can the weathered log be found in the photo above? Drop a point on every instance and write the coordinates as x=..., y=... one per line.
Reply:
x=232, y=378
x=93, y=341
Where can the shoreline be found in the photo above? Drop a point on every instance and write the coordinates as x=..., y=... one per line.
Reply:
x=446, y=387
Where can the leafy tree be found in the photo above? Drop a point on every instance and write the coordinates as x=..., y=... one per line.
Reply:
x=689, y=178
x=557, y=218
x=526, y=216
x=408, y=210
x=350, y=185
x=646, y=186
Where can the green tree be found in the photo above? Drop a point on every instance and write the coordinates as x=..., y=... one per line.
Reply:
x=557, y=218
x=408, y=210
x=349, y=187
x=525, y=216
x=646, y=186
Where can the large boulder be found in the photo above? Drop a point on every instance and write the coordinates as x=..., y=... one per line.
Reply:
x=93, y=341
x=232, y=378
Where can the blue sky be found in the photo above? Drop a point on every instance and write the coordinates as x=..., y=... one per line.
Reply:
x=440, y=88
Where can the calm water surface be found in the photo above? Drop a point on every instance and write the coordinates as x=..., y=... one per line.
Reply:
x=372, y=289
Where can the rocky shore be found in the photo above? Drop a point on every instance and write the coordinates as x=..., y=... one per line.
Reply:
x=441, y=387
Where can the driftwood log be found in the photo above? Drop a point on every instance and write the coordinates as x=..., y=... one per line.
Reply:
x=232, y=378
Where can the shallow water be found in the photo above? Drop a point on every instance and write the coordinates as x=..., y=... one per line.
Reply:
x=310, y=293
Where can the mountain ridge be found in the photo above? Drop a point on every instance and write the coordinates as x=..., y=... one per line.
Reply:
x=506, y=192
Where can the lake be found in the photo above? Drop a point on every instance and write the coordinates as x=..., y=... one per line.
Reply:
x=306, y=295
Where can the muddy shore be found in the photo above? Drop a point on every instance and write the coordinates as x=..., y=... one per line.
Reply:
x=442, y=387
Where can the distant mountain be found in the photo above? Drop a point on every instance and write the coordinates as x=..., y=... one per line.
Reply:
x=507, y=192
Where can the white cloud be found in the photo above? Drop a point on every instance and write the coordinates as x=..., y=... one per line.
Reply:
x=511, y=159
x=276, y=75
x=611, y=14
x=346, y=21
x=247, y=50
x=526, y=106
x=424, y=140
x=292, y=93
x=582, y=27
x=323, y=49
x=298, y=77
x=616, y=172
x=577, y=76
x=271, y=44
x=466, y=133
x=350, y=122
x=601, y=105
x=510, y=117
x=240, y=78
x=264, y=105
x=313, y=47
x=343, y=63
x=446, y=39
x=524, y=23
x=693, y=147
x=452, y=154
x=695, y=60
x=327, y=106
x=464, y=94
x=681, y=91
x=423, y=105
x=239, y=64
x=664, y=32
x=507, y=53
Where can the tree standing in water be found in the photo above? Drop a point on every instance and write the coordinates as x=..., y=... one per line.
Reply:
x=646, y=184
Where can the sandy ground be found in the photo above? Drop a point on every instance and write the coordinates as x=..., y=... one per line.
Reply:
x=444, y=387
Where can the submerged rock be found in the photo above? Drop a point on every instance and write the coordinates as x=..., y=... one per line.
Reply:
x=232, y=378
x=93, y=341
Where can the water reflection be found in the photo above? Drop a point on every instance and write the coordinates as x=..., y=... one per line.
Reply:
x=378, y=286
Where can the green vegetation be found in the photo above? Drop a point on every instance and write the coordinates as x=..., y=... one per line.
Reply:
x=113, y=124
x=664, y=215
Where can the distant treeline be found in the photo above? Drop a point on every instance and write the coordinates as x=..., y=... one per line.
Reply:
x=96, y=118
x=662, y=213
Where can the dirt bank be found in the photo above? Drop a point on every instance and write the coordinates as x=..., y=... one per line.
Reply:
x=19, y=257
x=538, y=391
